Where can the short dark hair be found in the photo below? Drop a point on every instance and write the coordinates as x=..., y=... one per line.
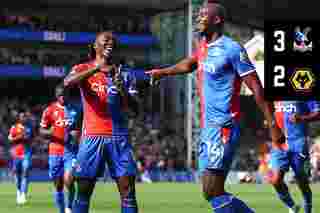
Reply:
x=219, y=9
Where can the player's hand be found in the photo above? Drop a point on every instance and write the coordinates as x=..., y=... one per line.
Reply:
x=155, y=76
x=118, y=82
x=107, y=52
x=295, y=118
x=156, y=73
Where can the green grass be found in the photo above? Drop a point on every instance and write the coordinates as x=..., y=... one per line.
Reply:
x=152, y=198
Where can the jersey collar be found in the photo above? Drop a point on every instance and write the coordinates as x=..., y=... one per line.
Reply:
x=216, y=42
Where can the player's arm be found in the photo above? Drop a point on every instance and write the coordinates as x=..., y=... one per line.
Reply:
x=186, y=65
x=45, y=124
x=254, y=84
x=75, y=77
x=246, y=70
x=13, y=136
x=312, y=115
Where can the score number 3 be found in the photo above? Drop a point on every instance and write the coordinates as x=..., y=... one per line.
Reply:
x=280, y=45
x=279, y=76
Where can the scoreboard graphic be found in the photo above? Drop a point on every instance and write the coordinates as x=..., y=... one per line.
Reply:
x=292, y=60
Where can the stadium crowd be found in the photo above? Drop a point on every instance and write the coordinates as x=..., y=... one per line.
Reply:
x=164, y=149
x=43, y=57
x=50, y=57
x=75, y=22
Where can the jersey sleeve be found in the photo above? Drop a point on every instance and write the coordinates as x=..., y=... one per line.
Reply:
x=314, y=106
x=46, y=118
x=78, y=69
x=12, y=132
x=241, y=62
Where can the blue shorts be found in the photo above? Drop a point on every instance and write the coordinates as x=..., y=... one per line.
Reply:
x=60, y=164
x=296, y=158
x=96, y=151
x=20, y=165
x=217, y=148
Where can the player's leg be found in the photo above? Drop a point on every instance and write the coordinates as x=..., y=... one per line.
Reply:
x=301, y=167
x=126, y=187
x=69, y=159
x=279, y=166
x=216, y=152
x=17, y=170
x=70, y=186
x=56, y=174
x=123, y=169
x=88, y=166
x=26, y=167
x=84, y=190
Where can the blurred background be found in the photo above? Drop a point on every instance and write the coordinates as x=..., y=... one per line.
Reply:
x=40, y=42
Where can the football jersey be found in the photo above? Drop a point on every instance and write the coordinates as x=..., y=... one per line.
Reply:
x=294, y=132
x=221, y=64
x=19, y=149
x=62, y=119
x=105, y=112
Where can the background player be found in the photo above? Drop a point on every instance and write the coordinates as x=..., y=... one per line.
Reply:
x=20, y=136
x=59, y=122
x=221, y=63
x=292, y=117
x=105, y=130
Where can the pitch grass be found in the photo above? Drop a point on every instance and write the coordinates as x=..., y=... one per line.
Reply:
x=152, y=198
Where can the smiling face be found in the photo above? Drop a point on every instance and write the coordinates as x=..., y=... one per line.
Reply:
x=104, y=41
x=211, y=18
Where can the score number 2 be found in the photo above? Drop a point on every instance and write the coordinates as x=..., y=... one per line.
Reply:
x=280, y=45
x=279, y=76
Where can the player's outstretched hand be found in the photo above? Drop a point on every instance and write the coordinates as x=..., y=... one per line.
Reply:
x=155, y=76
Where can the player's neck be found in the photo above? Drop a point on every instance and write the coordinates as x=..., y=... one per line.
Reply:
x=60, y=103
x=213, y=37
x=101, y=60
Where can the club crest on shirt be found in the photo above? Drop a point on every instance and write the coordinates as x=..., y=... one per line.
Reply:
x=210, y=68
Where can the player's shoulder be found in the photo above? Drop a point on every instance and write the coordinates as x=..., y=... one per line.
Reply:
x=82, y=66
x=232, y=45
x=50, y=106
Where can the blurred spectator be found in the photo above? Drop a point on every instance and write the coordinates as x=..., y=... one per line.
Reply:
x=315, y=161
x=155, y=149
x=74, y=20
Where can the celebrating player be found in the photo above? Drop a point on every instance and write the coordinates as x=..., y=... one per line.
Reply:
x=59, y=122
x=292, y=117
x=222, y=63
x=20, y=136
x=105, y=129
